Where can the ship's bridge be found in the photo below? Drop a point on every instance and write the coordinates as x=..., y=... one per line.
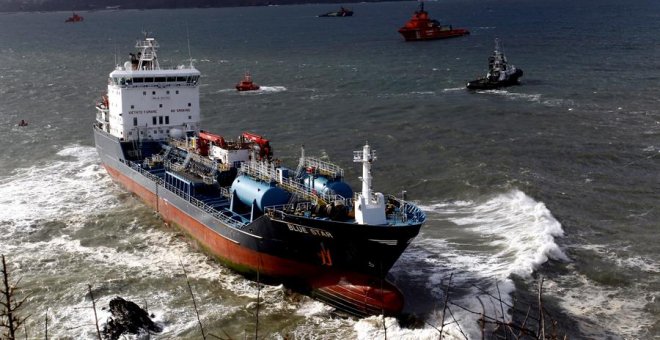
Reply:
x=153, y=104
x=182, y=76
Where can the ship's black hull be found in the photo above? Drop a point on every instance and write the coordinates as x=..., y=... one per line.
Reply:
x=487, y=84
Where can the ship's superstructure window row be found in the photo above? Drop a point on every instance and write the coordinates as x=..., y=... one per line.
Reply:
x=155, y=81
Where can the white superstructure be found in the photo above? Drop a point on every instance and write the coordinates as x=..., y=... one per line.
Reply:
x=369, y=206
x=499, y=69
x=147, y=102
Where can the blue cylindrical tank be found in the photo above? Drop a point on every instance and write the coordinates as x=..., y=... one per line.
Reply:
x=322, y=184
x=249, y=190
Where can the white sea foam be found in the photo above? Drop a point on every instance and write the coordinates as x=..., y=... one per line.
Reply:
x=72, y=186
x=377, y=327
x=530, y=97
x=263, y=90
x=597, y=305
x=514, y=95
x=453, y=89
x=509, y=233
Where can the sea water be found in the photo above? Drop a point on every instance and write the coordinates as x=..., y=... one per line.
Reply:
x=556, y=178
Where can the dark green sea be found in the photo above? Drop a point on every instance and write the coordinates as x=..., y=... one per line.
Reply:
x=557, y=178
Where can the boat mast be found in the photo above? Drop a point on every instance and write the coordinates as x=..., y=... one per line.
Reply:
x=148, y=60
x=369, y=206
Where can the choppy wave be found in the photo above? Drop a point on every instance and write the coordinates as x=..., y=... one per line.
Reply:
x=519, y=230
x=268, y=89
x=64, y=226
x=485, y=242
x=72, y=186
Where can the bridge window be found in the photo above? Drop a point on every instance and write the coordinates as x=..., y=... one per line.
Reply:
x=171, y=79
x=160, y=79
x=138, y=80
x=134, y=121
x=160, y=120
x=167, y=120
x=149, y=80
x=154, y=120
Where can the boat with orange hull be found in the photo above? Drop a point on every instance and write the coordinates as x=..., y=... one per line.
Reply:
x=246, y=84
x=421, y=27
x=302, y=226
x=74, y=18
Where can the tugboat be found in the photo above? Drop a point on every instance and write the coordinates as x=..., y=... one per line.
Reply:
x=343, y=12
x=302, y=226
x=246, y=84
x=74, y=18
x=500, y=73
x=421, y=27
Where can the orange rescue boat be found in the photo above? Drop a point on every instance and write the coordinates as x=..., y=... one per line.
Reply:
x=421, y=27
x=246, y=84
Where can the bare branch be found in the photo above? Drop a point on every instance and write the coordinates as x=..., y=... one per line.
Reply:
x=192, y=295
x=541, y=323
x=444, y=309
x=96, y=319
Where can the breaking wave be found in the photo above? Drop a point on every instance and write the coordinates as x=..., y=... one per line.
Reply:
x=480, y=245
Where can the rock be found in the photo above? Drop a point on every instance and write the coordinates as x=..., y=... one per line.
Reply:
x=127, y=317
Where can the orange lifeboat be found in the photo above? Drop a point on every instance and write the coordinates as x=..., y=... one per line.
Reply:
x=421, y=27
x=246, y=84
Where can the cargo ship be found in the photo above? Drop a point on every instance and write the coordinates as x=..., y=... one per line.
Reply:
x=302, y=226
x=421, y=27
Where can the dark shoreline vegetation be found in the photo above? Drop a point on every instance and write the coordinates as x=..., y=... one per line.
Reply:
x=90, y=5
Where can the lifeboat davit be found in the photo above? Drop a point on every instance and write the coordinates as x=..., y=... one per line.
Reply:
x=421, y=27
x=246, y=84
x=263, y=148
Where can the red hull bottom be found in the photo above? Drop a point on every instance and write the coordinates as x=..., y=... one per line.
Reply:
x=351, y=292
x=420, y=35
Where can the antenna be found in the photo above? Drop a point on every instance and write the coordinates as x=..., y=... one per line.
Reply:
x=116, y=56
x=188, y=39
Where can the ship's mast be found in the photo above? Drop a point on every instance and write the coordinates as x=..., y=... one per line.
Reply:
x=369, y=206
x=365, y=157
x=148, y=60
